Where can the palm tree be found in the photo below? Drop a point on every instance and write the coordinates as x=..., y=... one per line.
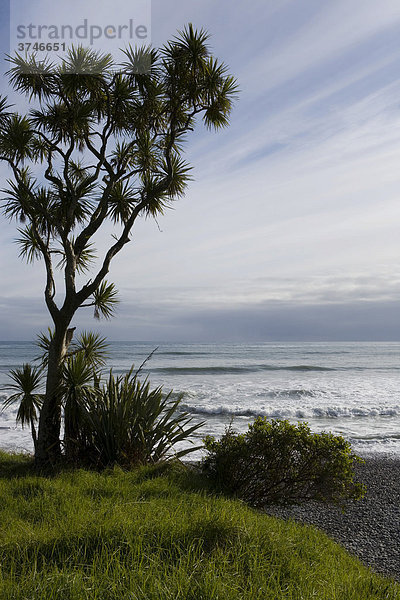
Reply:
x=26, y=381
x=101, y=145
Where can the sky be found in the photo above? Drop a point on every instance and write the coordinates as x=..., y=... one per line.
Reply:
x=290, y=227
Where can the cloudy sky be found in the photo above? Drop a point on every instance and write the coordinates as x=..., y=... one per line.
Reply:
x=290, y=229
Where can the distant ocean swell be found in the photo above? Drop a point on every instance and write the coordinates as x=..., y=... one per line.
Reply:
x=237, y=369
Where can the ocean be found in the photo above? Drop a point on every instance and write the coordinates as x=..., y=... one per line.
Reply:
x=351, y=389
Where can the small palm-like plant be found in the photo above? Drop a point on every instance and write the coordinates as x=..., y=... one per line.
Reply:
x=92, y=345
x=132, y=424
x=79, y=378
x=76, y=387
x=26, y=382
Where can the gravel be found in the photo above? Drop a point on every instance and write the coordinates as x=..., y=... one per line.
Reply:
x=369, y=528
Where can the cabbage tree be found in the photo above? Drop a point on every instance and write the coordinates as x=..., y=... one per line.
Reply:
x=101, y=143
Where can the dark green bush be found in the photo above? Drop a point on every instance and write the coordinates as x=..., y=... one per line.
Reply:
x=276, y=462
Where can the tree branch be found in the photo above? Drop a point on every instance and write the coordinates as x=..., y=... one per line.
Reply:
x=90, y=288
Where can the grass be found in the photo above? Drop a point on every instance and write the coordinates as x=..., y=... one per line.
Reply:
x=158, y=533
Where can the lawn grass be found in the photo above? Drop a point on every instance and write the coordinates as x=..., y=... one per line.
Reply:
x=157, y=533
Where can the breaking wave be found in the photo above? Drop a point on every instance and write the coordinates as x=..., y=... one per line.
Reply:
x=311, y=412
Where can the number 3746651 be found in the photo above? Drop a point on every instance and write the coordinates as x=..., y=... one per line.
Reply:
x=41, y=47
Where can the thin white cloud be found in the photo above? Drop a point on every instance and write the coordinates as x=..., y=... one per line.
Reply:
x=336, y=27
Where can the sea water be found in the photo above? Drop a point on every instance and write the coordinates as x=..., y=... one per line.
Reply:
x=351, y=389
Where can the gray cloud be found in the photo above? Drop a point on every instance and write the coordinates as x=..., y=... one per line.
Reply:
x=160, y=320
x=369, y=321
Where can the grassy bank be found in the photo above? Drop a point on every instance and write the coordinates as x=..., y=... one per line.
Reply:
x=151, y=534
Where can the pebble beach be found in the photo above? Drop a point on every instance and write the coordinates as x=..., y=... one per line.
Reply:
x=368, y=528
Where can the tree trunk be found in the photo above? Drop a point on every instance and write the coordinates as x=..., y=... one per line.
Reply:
x=48, y=446
x=34, y=436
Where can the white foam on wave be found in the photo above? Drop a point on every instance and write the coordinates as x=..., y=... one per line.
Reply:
x=314, y=412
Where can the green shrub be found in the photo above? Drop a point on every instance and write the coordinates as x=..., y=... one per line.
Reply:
x=276, y=462
x=127, y=423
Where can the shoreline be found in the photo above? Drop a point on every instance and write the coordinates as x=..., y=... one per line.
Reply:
x=369, y=528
